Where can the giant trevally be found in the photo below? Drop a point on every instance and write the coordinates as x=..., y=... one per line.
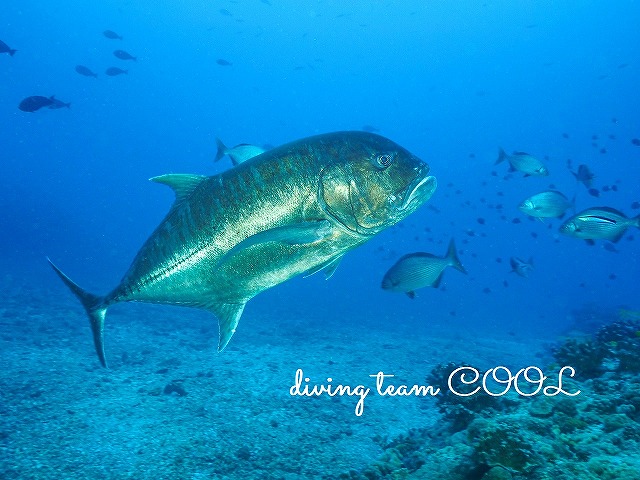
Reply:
x=547, y=204
x=420, y=269
x=238, y=154
x=599, y=223
x=523, y=162
x=295, y=209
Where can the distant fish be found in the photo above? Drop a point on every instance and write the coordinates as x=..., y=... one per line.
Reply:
x=238, y=154
x=584, y=175
x=594, y=192
x=370, y=129
x=418, y=270
x=114, y=71
x=635, y=141
x=597, y=223
x=549, y=204
x=523, y=162
x=4, y=48
x=112, y=35
x=122, y=55
x=35, y=102
x=223, y=62
x=58, y=104
x=82, y=70
x=520, y=267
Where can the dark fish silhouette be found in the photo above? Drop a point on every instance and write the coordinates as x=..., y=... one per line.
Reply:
x=122, y=55
x=82, y=70
x=520, y=267
x=296, y=209
x=584, y=175
x=114, y=71
x=223, y=62
x=35, y=102
x=112, y=35
x=4, y=48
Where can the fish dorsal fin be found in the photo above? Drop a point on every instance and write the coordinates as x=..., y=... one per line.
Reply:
x=228, y=317
x=183, y=184
x=611, y=210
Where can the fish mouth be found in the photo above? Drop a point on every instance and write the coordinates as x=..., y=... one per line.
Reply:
x=418, y=191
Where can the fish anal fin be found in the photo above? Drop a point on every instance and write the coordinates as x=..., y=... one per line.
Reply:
x=436, y=284
x=228, y=315
x=183, y=184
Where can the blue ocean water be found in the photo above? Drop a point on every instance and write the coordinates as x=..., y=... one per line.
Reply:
x=450, y=81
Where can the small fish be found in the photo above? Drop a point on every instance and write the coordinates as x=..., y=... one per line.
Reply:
x=548, y=204
x=635, y=141
x=122, y=55
x=35, y=102
x=520, y=267
x=4, y=48
x=82, y=70
x=238, y=154
x=114, y=71
x=523, y=162
x=58, y=104
x=112, y=35
x=370, y=129
x=584, y=175
x=418, y=270
x=594, y=192
x=597, y=223
x=223, y=62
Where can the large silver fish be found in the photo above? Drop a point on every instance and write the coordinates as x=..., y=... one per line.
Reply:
x=418, y=270
x=295, y=209
x=547, y=204
x=523, y=162
x=599, y=223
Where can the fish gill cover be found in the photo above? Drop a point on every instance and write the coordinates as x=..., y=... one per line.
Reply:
x=99, y=97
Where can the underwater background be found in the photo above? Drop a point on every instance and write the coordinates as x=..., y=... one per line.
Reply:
x=453, y=82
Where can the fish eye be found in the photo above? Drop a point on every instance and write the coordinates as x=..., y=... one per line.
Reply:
x=384, y=160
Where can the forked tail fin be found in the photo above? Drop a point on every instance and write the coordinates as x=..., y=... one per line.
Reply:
x=95, y=308
x=222, y=149
x=452, y=255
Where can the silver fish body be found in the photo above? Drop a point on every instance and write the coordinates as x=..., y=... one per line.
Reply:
x=599, y=223
x=238, y=154
x=295, y=209
x=523, y=162
x=549, y=204
x=419, y=270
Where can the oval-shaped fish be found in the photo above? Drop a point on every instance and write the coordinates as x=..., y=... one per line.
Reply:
x=115, y=71
x=238, y=154
x=295, y=209
x=599, y=223
x=122, y=55
x=112, y=35
x=419, y=270
x=549, y=204
x=35, y=102
x=86, y=71
x=523, y=162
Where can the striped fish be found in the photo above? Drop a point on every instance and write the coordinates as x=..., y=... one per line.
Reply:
x=418, y=270
x=599, y=223
x=296, y=209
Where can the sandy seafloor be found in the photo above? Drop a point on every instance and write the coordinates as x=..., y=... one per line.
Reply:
x=64, y=416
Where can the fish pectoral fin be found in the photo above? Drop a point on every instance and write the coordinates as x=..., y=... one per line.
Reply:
x=329, y=268
x=296, y=234
x=183, y=184
x=228, y=317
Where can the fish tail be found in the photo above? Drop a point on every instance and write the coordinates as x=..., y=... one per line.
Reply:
x=452, y=255
x=502, y=156
x=222, y=149
x=12, y=52
x=96, y=310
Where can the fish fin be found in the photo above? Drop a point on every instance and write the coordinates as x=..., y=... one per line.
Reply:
x=12, y=52
x=436, y=284
x=96, y=310
x=297, y=234
x=617, y=238
x=502, y=156
x=411, y=294
x=452, y=255
x=183, y=184
x=228, y=315
x=329, y=268
x=222, y=149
